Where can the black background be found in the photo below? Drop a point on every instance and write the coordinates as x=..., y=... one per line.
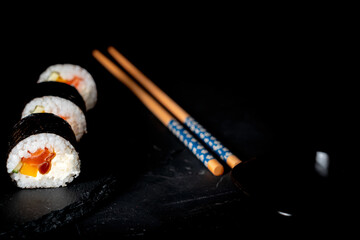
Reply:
x=261, y=86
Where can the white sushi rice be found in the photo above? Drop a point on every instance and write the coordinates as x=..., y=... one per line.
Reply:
x=86, y=88
x=61, y=107
x=65, y=166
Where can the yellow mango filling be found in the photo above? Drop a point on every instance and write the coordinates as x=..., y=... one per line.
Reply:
x=29, y=170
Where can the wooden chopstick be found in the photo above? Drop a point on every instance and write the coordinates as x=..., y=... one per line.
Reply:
x=166, y=118
x=176, y=110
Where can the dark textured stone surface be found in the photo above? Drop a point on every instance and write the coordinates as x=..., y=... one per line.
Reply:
x=32, y=212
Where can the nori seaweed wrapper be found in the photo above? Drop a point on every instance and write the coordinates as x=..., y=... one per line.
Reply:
x=56, y=89
x=41, y=123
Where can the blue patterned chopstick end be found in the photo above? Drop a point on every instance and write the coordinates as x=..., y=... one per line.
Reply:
x=197, y=149
x=207, y=138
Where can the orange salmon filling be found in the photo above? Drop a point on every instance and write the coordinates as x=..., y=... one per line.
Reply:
x=39, y=161
x=64, y=117
x=74, y=81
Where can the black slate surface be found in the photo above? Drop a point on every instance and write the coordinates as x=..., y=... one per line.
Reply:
x=266, y=94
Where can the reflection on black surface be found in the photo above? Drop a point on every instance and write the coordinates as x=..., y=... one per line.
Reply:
x=322, y=163
x=284, y=214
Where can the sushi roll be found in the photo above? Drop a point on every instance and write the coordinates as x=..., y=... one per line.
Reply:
x=61, y=100
x=42, y=152
x=75, y=76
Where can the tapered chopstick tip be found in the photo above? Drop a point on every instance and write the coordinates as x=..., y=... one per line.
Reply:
x=96, y=53
x=110, y=48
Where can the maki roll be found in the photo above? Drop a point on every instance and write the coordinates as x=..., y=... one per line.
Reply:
x=42, y=152
x=75, y=76
x=61, y=100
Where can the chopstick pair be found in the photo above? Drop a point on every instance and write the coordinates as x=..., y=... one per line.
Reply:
x=165, y=117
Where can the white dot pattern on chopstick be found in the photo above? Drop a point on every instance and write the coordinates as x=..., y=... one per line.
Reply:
x=190, y=142
x=210, y=140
